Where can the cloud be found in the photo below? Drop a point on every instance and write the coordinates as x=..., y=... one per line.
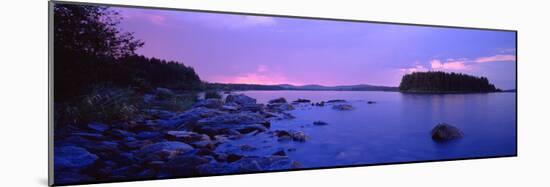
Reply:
x=459, y=64
x=417, y=68
x=449, y=65
x=496, y=58
x=262, y=75
x=156, y=19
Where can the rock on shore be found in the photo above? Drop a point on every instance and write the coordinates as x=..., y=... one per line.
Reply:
x=444, y=132
x=165, y=144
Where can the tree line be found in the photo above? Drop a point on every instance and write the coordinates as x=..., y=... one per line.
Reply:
x=445, y=82
x=90, y=50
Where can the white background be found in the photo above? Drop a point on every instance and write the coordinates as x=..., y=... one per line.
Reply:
x=23, y=95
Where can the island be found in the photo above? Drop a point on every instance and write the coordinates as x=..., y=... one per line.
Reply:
x=443, y=82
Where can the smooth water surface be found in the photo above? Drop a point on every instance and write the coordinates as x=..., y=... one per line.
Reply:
x=394, y=129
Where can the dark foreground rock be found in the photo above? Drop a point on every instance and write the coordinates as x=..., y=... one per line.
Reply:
x=164, y=144
x=73, y=157
x=444, y=132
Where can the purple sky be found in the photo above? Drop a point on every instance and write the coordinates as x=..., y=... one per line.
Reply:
x=271, y=50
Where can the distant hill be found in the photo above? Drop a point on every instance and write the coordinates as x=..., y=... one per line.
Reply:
x=442, y=82
x=311, y=87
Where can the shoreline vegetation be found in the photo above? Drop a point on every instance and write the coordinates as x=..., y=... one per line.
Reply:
x=120, y=116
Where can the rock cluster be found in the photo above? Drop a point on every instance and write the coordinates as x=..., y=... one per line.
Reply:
x=165, y=144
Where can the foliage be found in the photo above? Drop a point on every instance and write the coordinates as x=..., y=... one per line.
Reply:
x=90, y=50
x=212, y=94
x=444, y=82
x=104, y=104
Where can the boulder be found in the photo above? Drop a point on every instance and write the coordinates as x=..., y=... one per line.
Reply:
x=188, y=117
x=301, y=101
x=278, y=100
x=186, y=136
x=209, y=103
x=72, y=157
x=234, y=118
x=280, y=107
x=371, y=102
x=163, y=150
x=444, y=132
x=290, y=135
x=98, y=127
x=342, y=107
x=240, y=99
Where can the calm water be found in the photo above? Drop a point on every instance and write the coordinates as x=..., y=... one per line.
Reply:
x=395, y=129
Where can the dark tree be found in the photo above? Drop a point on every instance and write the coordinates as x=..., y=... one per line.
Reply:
x=444, y=82
x=91, y=30
x=90, y=49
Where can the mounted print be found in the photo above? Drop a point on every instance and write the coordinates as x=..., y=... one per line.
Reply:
x=139, y=93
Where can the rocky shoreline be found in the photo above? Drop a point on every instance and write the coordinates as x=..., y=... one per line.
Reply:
x=166, y=144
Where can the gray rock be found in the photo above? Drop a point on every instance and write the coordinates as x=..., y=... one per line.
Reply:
x=209, y=103
x=240, y=99
x=72, y=157
x=234, y=118
x=290, y=135
x=190, y=116
x=186, y=136
x=342, y=107
x=444, y=132
x=98, y=127
x=280, y=107
x=278, y=100
x=163, y=150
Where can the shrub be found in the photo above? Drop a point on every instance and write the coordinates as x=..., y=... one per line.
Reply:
x=212, y=95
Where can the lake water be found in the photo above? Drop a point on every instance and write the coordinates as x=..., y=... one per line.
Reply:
x=394, y=129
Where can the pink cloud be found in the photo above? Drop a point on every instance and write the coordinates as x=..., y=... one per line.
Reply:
x=262, y=75
x=156, y=19
x=449, y=65
x=417, y=68
x=496, y=58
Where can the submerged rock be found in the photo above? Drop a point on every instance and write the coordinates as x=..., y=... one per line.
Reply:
x=336, y=101
x=371, y=102
x=342, y=107
x=320, y=123
x=444, y=132
x=250, y=164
